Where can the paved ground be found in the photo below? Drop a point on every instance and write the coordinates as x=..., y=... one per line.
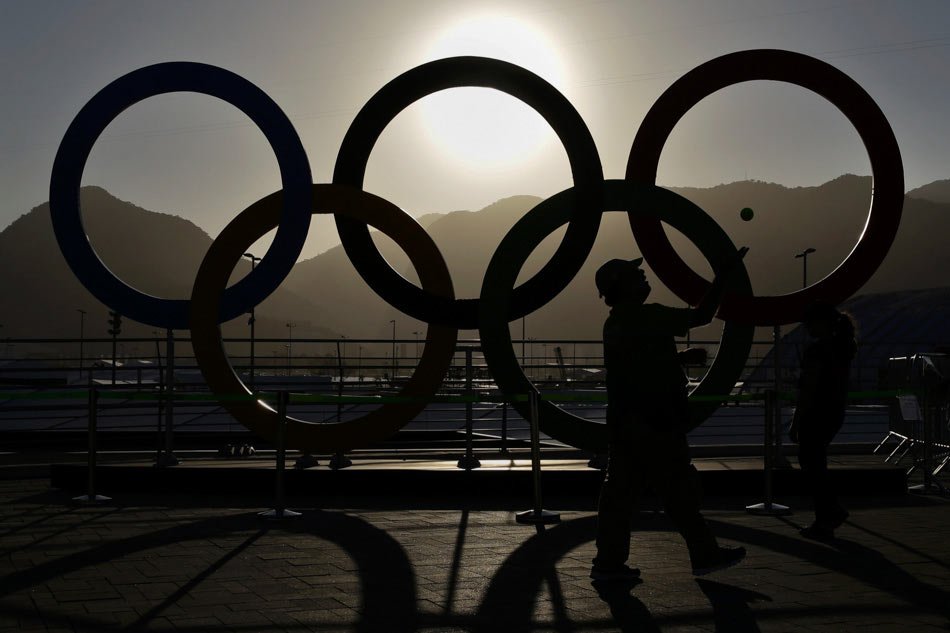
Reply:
x=191, y=564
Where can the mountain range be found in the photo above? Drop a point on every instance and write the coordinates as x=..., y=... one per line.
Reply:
x=324, y=296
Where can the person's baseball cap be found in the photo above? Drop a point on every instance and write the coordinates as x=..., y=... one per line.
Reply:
x=608, y=274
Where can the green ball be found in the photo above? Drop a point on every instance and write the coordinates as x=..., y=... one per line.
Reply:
x=746, y=214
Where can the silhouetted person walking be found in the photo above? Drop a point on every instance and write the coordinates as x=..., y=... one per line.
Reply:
x=819, y=414
x=647, y=418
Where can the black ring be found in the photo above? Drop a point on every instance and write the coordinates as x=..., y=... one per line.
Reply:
x=520, y=83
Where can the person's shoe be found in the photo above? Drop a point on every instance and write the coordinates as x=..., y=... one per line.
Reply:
x=838, y=518
x=818, y=532
x=614, y=574
x=721, y=558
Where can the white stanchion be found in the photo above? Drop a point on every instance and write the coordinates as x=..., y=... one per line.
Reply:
x=769, y=507
x=279, y=511
x=536, y=515
x=91, y=497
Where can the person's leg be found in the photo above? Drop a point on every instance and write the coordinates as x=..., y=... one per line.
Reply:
x=617, y=496
x=826, y=502
x=813, y=459
x=678, y=483
x=828, y=512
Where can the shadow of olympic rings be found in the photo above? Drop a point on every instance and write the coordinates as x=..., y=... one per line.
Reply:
x=388, y=588
x=387, y=606
x=520, y=577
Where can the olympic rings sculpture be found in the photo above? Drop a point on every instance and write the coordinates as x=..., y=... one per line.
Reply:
x=579, y=208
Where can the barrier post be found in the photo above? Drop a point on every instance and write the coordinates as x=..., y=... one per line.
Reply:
x=779, y=461
x=91, y=497
x=279, y=511
x=769, y=507
x=468, y=461
x=161, y=403
x=339, y=460
x=928, y=445
x=536, y=515
x=504, y=427
x=929, y=419
x=168, y=456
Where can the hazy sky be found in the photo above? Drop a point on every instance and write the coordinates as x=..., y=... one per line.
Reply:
x=320, y=61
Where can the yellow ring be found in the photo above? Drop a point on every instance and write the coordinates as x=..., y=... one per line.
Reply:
x=211, y=357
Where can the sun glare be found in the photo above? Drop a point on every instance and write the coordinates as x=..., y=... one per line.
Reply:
x=479, y=126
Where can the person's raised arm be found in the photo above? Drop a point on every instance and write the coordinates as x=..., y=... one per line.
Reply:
x=706, y=310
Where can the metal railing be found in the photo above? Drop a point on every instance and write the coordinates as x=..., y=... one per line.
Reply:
x=39, y=396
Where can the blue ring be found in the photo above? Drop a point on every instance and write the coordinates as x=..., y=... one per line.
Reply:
x=102, y=109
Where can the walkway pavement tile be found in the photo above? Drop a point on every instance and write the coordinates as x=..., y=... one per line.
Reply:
x=165, y=563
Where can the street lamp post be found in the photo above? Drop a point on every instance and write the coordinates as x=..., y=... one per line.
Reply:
x=804, y=257
x=254, y=259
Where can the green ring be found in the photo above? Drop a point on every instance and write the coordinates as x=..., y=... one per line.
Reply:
x=548, y=216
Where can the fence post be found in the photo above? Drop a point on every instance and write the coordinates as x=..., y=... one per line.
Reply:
x=279, y=511
x=769, y=507
x=91, y=497
x=536, y=515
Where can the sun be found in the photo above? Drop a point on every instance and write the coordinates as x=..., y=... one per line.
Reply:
x=482, y=127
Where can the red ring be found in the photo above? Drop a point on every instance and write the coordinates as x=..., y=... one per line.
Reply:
x=823, y=79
